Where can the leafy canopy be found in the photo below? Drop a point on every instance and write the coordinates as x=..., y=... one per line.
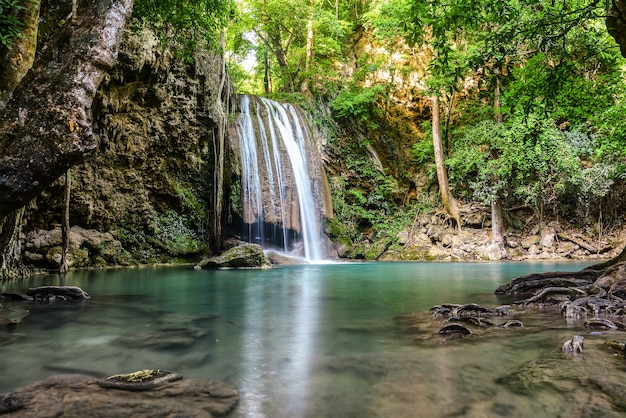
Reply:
x=188, y=22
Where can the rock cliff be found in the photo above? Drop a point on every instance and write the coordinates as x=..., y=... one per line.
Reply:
x=150, y=181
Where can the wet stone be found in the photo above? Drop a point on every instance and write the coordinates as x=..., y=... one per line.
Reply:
x=75, y=395
x=455, y=329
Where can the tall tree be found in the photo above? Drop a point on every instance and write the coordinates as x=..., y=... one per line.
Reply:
x=449, y=202
x=37, y=144
x=19, y=54
x=497, y=249
x=306, y=90
x=438, y=25
x=19, y=44
x=11, y=265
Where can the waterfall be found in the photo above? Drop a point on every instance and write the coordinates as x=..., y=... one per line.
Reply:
x=281, y=195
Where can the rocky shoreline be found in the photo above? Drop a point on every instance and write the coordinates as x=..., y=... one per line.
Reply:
x=429, y=240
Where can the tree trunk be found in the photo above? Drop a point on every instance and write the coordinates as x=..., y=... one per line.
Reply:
x=19, y=59
x=497, y=249
x=446, y=126
x=449, y=203
x=267, y=77
x=280, y=53
x=65, y=226
x=47, y=126
x=616, y=23
x=306, y=89
x=497, y=106
x=11, y=266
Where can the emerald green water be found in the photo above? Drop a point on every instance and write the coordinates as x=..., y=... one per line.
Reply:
x=316, y=340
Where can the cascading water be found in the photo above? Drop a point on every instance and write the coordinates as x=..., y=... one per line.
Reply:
x=280, y=206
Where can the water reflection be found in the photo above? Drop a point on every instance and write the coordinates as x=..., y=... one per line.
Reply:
x=279, y=333
x=321, y=340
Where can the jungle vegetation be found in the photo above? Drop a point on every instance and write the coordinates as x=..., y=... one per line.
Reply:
x=506, y=104
x=525, y=100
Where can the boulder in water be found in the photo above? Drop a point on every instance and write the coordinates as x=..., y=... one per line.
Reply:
x=283, y=259
x=75, y=395
x=242, y=256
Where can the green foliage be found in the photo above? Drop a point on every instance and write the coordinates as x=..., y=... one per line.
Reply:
x=175, y=236
x=364, y=201
x=10, y=25
x=422, y=152
x=190, y=23
x=609, y=130
x=387, y=20
x=361, y=103
x=596, y=181
x=558, y=73
x=273, y=35
x=192, y=204
x=522, y=161
x=565, y=91
x=168, y=236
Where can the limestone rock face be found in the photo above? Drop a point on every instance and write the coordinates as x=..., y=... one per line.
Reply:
x=148, y=184
x=88, y=248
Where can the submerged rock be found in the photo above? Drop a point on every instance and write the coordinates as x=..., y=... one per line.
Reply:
x=600, y=323
x=513, y=323
x=467, y=310
x=615, y=345
x=455, y=328
x=166, y=338
x=473, y=310
x=477, y=321
x=48, y=293
x=76, y=395
x=11, y=316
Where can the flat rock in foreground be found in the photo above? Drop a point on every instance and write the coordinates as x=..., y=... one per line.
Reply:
x=75, y=395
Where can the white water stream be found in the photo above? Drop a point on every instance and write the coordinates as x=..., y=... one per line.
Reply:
x=273, y=142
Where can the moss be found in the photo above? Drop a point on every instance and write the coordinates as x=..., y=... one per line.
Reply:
x=174, y=236
x=139, y=376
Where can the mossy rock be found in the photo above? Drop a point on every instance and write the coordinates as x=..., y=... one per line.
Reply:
x=242, y=256
x=140, y=380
